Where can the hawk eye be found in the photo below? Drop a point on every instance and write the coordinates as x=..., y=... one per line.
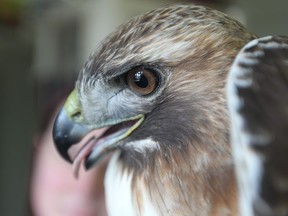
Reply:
x=142, y=81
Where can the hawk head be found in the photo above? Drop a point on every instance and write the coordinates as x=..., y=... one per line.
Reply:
x=153, y=92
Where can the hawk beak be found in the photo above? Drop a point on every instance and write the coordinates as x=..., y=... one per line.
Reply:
x=77, y=141
x=68, y=129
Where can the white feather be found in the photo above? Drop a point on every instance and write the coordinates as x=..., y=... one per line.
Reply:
x=118, y=189
x=143, y=145
x=118, y=192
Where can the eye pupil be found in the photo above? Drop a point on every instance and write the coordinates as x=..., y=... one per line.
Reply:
x=140, y=79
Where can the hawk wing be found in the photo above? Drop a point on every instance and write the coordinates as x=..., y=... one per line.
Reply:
x=258, y=104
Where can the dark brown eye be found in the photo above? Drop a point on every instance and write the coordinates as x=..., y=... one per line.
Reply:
x=142, y=81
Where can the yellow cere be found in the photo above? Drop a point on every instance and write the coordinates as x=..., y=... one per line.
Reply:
x=72, y=106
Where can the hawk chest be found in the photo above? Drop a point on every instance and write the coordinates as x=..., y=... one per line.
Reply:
x=121, y=198
x=168, y=191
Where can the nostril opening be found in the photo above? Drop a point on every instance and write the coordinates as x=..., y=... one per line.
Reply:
x=76, y=114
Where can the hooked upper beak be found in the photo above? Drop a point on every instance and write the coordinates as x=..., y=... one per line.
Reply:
x=68, y=128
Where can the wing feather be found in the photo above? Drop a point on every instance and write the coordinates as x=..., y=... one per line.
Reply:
x=258, y=104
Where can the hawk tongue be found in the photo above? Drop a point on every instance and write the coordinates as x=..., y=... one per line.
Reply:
x=81, y=150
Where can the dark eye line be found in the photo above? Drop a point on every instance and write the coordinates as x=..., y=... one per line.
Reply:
x=115, y=94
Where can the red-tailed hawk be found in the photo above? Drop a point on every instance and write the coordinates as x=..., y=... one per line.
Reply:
x=153, y=95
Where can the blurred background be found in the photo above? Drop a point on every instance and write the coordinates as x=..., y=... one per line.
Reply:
x=47, y=41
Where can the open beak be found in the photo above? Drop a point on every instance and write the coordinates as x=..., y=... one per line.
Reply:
x=78, y=142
